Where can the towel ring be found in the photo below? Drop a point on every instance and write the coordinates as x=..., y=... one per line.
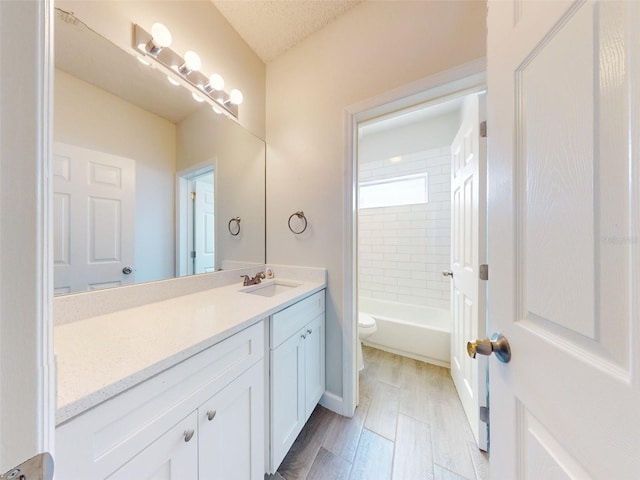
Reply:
x=235, y=220
x=299, y=214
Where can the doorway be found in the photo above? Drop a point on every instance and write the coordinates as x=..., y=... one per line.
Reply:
x=196, y=221
x=420, y=237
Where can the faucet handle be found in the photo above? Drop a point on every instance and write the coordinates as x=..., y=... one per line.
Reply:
x=246, y=280
x=260, y=275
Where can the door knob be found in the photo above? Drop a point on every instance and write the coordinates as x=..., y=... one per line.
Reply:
x=447, y=273
x=127, y=270
x=498, y=345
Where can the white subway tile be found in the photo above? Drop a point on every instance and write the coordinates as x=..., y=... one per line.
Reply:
x=398, y=257
x=419, y=276
x=405, y=266
x=405, y=282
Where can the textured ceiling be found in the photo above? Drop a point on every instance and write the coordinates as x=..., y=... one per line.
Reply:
x=271, y=27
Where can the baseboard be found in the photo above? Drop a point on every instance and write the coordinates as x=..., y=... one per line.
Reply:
x=433, y=361
x=333, y=402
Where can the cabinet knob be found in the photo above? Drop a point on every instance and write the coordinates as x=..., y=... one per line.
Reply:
x=303, y=336
x=211, y=414
x=188, y=435
x=309, y=331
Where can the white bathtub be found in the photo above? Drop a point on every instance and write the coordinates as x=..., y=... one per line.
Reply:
x=413, y=331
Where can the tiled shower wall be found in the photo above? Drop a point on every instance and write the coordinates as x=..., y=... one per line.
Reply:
x=404, y=249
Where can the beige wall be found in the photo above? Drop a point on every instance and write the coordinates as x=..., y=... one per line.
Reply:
x=238, y=158
x=372, y=49
x=89, y=117
x=195, y=25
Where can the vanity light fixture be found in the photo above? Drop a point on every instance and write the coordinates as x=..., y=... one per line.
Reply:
x=143, y=61
x=185, y=70
x=236, y=97
x=192, y=63
x=160, y=38
x=216, y=82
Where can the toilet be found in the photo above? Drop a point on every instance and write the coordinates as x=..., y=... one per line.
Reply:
x=366, y=327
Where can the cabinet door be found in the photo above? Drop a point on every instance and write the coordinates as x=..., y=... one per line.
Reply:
x=173, y=456
x=314, y=363
x=231, y=430
x=287, y=396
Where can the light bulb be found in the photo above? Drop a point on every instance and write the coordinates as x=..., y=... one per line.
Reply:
x=216, y=109
x=197, y=97
x=216, y=82
x=192, y=61
x=173, y=81
x=143, y=61
x=161, y=35
x=236, y=97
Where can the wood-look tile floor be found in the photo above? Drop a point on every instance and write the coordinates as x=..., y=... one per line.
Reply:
x=409, y=426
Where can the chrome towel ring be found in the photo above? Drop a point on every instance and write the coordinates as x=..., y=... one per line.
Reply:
x=234, y=230
x=300, y=215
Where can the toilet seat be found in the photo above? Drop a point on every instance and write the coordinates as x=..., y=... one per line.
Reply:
x=366, y=321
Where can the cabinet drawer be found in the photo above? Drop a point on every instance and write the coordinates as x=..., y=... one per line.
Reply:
x=288, y=321
x=113, y=432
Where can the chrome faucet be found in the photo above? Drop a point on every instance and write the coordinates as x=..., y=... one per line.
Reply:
x=252, y=280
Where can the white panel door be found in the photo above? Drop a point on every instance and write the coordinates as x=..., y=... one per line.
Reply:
x=93, y=217
x=564, y=238
x=468, y=194
x=204, y=225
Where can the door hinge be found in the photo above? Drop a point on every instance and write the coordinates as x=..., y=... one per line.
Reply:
x=483, y=272
x=483, y=129
x=484, y=415
x=193, y=195
x=193, y=254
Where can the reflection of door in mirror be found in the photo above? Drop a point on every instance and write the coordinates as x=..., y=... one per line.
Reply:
x=195, y=221
x=93, y=215
x=203, y=231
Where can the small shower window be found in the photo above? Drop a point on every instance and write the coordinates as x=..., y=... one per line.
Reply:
x=390, y=192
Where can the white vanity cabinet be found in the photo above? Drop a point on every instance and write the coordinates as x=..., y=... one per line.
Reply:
x=169, y=457
x=231, y=440
x=297, y=371
x=200, y=419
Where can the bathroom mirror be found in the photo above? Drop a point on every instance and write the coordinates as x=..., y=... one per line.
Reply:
x=148, y=183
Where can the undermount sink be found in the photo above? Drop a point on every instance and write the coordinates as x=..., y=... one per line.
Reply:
x=271, y=288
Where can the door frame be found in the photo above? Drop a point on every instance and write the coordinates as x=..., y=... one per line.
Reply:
x=27, y=393
x=464, y=79
x=183, y=209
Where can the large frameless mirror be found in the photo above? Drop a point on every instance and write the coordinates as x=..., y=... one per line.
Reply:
x=148, y=183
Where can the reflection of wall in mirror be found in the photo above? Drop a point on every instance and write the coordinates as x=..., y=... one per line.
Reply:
x=240, y=182
x=89, y=117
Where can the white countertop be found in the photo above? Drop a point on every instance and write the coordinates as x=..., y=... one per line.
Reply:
x=102, y=356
